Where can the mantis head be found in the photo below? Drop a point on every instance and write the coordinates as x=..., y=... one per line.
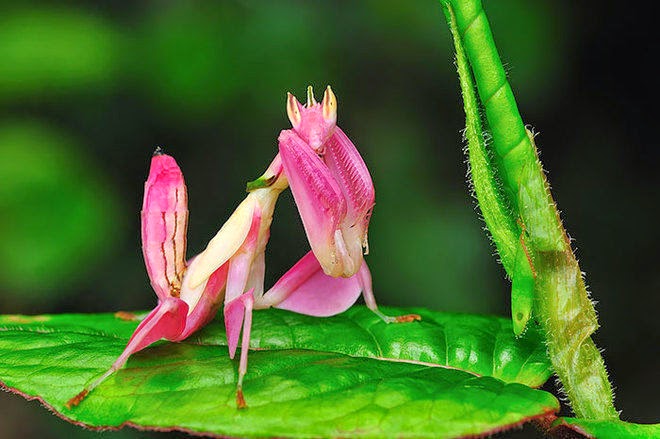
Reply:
x=313, y=122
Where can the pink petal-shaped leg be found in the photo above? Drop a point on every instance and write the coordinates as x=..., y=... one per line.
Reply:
x=239, y=312
x=241, y=263
x=319, y=199
x=205, y=305
x=306, y=289
x=350, y=172
x=167, y=321
x=234, y=313
x=257, y=274
x=364, y=278
x=239, y=272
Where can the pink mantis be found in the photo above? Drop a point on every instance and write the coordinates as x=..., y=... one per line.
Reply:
x=334, y=194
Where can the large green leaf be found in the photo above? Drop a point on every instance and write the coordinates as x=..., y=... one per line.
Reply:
x=591, y=428
x=346, y=375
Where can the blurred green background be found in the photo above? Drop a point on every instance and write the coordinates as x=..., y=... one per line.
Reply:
x=88, y=89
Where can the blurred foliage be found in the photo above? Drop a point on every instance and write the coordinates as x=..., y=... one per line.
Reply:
x=87, y=90
x=531, y=37
x=54, y=50
x=58, y=212
x=409, y=235
x=196, y=58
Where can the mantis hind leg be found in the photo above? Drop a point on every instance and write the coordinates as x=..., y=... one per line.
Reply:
x=306, y=289
x=364, y=278
x=166, y=321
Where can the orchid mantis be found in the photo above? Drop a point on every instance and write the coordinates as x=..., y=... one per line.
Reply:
x=334, y=194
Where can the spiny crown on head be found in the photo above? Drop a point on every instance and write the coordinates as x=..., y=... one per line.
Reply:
x=314, y=122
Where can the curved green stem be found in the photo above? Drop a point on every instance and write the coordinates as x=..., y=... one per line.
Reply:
x=521, y=215
x=493, y=203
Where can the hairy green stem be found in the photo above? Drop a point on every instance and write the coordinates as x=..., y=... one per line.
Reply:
x=484, y=176
x=514, y=198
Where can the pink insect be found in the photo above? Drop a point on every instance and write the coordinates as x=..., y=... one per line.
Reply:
x=334, y=194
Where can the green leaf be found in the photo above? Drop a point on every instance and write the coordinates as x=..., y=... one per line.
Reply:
x=345, y=375
x=606, y=429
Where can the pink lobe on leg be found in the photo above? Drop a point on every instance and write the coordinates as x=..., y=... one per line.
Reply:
x=207, y=303
x=234, y=312
x=350, y=172
x=166, y=321
x=241, y=263
x=306, y=289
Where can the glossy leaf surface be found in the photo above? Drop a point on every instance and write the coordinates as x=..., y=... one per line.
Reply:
x=308, y=376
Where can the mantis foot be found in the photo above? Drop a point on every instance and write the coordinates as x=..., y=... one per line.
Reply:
x=407, y=318
x=76, y=399
x=240, y=399
x=396, y=319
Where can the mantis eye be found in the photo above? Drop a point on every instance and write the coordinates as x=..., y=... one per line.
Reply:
x=293, y=110
x=329, y=105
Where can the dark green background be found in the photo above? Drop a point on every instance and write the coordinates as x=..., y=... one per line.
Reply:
x=87, y=91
